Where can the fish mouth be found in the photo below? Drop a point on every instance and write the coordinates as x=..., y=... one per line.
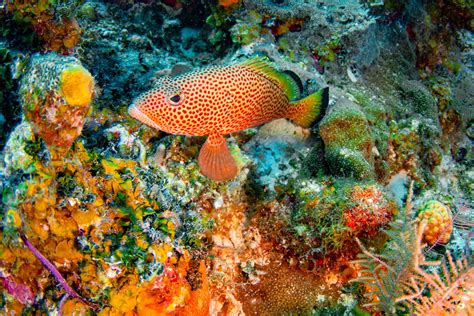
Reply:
x=134, y=112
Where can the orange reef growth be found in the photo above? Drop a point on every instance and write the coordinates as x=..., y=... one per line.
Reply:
x=166, y=294
x=55, y=95
x=439, y=222
x=59, y=32
x=228, y=3
x=371, y=210
x=87, y=216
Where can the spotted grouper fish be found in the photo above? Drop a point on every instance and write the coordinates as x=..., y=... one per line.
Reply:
x=219, y=100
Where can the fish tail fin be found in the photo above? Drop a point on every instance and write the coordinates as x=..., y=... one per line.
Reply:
x=308, y=111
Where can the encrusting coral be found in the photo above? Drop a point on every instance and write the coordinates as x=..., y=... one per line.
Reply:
x=76, y=85
x=346, y=135
x=55, y=95
x=439, y=222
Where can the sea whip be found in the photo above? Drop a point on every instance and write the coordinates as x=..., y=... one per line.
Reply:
x=55, y=272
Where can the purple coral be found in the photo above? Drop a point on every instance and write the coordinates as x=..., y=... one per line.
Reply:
x=19, y=291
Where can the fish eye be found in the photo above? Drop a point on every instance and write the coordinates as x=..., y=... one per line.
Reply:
x=174, y=100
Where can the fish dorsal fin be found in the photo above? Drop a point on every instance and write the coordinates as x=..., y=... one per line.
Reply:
x=264, y=67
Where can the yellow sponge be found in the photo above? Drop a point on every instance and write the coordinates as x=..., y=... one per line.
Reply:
x=77, y=85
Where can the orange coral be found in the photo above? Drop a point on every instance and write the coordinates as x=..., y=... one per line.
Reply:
x=228, y=3
x=370, y=212
x=75, y=307
x=439, y=222
x=169, y=293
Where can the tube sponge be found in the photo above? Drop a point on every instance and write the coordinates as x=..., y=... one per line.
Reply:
x=77, y=85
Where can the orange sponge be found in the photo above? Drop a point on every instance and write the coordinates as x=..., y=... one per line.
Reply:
x=77, y=85
x=439, y=222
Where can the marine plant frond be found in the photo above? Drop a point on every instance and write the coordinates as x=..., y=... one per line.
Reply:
x=463, y=218
x=398, y=280
x=450, y=292
x=386, y=275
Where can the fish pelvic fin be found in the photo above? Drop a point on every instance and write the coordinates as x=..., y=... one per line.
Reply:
x=288, y=81
x=309, y=110
x=215, y=159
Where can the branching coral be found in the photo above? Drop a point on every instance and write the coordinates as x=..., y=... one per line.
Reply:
x=397, y=281
x=69, y=291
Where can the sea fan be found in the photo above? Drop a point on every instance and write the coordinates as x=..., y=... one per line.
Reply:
x=387, y=275
x=451, y=293
x=396, y=280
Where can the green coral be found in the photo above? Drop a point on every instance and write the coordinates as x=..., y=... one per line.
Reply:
x=247, y=29
x=348, y=162
x=419, y=99
x=327, y=52
x=348, y=140
x=377, y=117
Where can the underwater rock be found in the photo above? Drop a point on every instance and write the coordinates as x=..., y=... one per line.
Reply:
x=277, y=151
x=348, y=141
x=439, y=222
x=55, y=95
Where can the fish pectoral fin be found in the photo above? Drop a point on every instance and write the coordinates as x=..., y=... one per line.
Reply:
x=215, y=159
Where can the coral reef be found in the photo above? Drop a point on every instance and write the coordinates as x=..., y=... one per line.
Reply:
x=397, y=277
x=102, y=215
x=370, y=210
x=54, y=23
x=55, y=95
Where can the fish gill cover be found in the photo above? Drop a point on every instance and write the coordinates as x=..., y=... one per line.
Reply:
x=234, y=157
